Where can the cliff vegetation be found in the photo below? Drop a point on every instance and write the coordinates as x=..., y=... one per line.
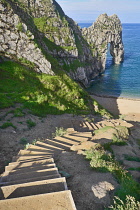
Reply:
x=41, y=93
x=40, y=32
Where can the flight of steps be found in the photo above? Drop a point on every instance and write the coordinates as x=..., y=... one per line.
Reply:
x=32, y=182
x=85, y=126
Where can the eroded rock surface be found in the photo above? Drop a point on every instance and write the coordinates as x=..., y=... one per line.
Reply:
x=41, y=33
x=106, y=30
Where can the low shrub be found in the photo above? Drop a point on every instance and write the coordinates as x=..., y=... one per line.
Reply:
x=7, y=124
x=30, y=123
x=59, y=132
x=23, y=141
x=130, y=203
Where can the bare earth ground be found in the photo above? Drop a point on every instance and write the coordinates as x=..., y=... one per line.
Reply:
x=10, y=137
x=91, y=190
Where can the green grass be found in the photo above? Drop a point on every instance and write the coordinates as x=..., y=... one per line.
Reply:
x=30, y=123
x=78, y=44
x=18, y=112
x=59, y=132
x=26, y=62
x=134, y=169
x=119, y=136
x=19, y=27
x=138, y=141
x=51, y=45
x=130, y=203
x=104, y=129
x=117, y=140
x=23, y=141
x=42, y=94
x=119, y=131
x=34, y=142
x=103, y=161
x=73, y=65
x=131, y=158
x=6, y=125
x=100, y=110
x=122, y=132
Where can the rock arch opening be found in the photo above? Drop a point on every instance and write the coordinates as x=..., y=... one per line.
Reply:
x=109, y=57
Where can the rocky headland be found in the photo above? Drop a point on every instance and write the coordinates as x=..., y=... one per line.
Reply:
x=40, y=32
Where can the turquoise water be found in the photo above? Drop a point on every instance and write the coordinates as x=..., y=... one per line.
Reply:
x=121, y=80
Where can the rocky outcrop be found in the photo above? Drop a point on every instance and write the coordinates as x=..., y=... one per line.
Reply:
x=106, y=30
x=39, y=32
x=16, y=41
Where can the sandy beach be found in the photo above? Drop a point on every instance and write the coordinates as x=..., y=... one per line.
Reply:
x=120, y=106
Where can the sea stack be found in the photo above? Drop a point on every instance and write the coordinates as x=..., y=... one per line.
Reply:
x=105, y=32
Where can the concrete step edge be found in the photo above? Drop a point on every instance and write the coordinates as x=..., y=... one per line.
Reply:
x=7, y=176
x=53, y=201
x=49, y=159
x=34, y=188
x=20, y=181
x=28, y=171
x=29, y=152
x=30, y=159
x=30, y=168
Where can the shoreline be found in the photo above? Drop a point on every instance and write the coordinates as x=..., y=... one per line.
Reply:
x=114, y=97
x=120, y=106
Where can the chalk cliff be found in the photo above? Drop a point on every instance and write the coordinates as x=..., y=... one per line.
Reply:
x=38, y=31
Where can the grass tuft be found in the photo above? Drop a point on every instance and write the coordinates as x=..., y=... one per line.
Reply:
x=18, y=112
x=6, y=125
x=131, y=158
x=134, y=169
x=59, y=132
x=103, y=161
x=30, y=123
x=104, y=129
x=130, y=203
x=23, y=141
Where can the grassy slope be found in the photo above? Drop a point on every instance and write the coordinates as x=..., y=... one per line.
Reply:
x=128, y=192
x=41, y=93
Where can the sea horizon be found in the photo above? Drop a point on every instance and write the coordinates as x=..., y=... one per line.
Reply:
x=91, y=21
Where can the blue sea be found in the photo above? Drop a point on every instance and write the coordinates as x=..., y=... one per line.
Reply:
x=121, y=80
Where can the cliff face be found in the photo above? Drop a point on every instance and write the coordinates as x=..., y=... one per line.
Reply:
x=38, y=31
x=17, y=42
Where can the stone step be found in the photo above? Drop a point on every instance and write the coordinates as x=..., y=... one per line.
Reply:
x=34, y=188
x=34, y=153
x=33, y=179
x=20, y=165
x=81, y=134
x=74, y=138
x=8, y=177
x=51, y=144
x=31, y=169
x=90, y=125
x=84, y=126
x=99, y=125
x=38, y=149
x=79, y=126
x=51, y=201
x=29, y=158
